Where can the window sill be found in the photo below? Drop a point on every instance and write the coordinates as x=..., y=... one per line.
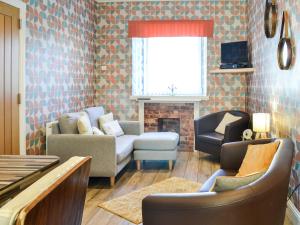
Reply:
x=159, y=99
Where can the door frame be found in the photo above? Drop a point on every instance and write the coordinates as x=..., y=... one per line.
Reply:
x=22, y=41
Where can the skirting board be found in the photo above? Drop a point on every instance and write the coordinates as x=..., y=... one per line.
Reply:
x=292, y=213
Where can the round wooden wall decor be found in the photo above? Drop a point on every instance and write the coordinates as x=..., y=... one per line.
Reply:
x=285, y=48
x=271, y=18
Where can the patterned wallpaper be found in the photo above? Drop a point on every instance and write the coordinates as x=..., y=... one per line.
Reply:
x=270, y=89
x=113, y=50
x=59, y=63
x=62, y=76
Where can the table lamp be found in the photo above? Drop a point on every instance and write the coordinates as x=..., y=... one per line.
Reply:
x=261, y=124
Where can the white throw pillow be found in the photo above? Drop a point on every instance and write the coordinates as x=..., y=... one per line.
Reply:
x=228, y=118
x=97, y=131
x=84, y=125
x=113, y=128
x=105, y=118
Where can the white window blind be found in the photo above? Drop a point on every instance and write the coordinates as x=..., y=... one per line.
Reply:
x=169, y=66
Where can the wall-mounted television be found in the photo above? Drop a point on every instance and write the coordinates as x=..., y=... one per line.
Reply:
x=234, y=54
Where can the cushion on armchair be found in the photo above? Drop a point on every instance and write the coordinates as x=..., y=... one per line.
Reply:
x=258, y=158
x=227, y=183
x=228, y=118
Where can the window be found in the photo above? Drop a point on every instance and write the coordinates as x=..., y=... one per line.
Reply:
x=169, y=66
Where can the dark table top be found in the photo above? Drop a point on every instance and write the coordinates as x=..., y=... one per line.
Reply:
x=18, y=172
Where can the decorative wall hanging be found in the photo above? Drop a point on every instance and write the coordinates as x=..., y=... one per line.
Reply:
x=285, y=49
x=271, y=18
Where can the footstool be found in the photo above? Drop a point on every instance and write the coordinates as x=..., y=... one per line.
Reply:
x=156, y=146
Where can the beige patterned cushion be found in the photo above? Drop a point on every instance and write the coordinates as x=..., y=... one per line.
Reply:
x=227, y=119
x=105, y=118
x=113, y=128
x=97, y=131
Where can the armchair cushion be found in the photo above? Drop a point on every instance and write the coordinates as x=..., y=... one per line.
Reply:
x=227, y=119
x=213, y=138
x=207, y=186
x=258, y=158
x=94, y=114
x=227, y=183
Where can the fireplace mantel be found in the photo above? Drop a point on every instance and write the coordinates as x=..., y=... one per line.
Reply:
x=169, y=99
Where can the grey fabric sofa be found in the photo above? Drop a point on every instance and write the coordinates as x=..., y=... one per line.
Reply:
x=110, y=154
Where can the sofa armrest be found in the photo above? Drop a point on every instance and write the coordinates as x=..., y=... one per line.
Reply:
x=232, y=154
x=234, y=130
x=102, y=149
x=131, y=127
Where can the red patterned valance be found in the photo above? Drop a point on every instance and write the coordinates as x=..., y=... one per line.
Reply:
x=171, y=28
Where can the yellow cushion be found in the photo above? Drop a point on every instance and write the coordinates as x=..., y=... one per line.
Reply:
x=84, y=125
x=258, y=158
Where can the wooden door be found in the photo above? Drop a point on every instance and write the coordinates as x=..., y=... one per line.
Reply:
x=9, y=79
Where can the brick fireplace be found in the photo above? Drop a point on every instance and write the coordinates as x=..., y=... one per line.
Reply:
x=180, y=115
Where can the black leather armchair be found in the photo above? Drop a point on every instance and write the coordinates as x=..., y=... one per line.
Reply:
x=209, y=141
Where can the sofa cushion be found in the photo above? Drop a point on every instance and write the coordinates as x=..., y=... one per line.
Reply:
x=206, y=187
x=104, y=119
x=94, y=114
x=68, y=122
x=84, y=125
x=157, y=141
x=213, y=138
x=97, y=131
x=124, y=146
x=113, y=128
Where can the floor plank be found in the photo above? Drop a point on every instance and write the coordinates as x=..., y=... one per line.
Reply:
x=190, y=165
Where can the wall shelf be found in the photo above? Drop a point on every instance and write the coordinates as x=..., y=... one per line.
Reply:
x=242, y=70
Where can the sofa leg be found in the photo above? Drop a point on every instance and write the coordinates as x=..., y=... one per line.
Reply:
x=170, y=164
x=138, y=164
x=112, y=181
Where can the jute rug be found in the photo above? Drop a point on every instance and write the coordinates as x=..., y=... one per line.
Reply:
x=129, y=206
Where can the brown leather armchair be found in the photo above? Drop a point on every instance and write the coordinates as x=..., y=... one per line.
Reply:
x=262, y=202
x=209, y=141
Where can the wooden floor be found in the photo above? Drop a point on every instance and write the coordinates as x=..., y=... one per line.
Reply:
x=194, y=166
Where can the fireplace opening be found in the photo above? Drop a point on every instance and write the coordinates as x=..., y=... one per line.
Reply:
x=169, y=125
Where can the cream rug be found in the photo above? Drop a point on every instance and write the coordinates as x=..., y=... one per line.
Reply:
x=129, y=206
